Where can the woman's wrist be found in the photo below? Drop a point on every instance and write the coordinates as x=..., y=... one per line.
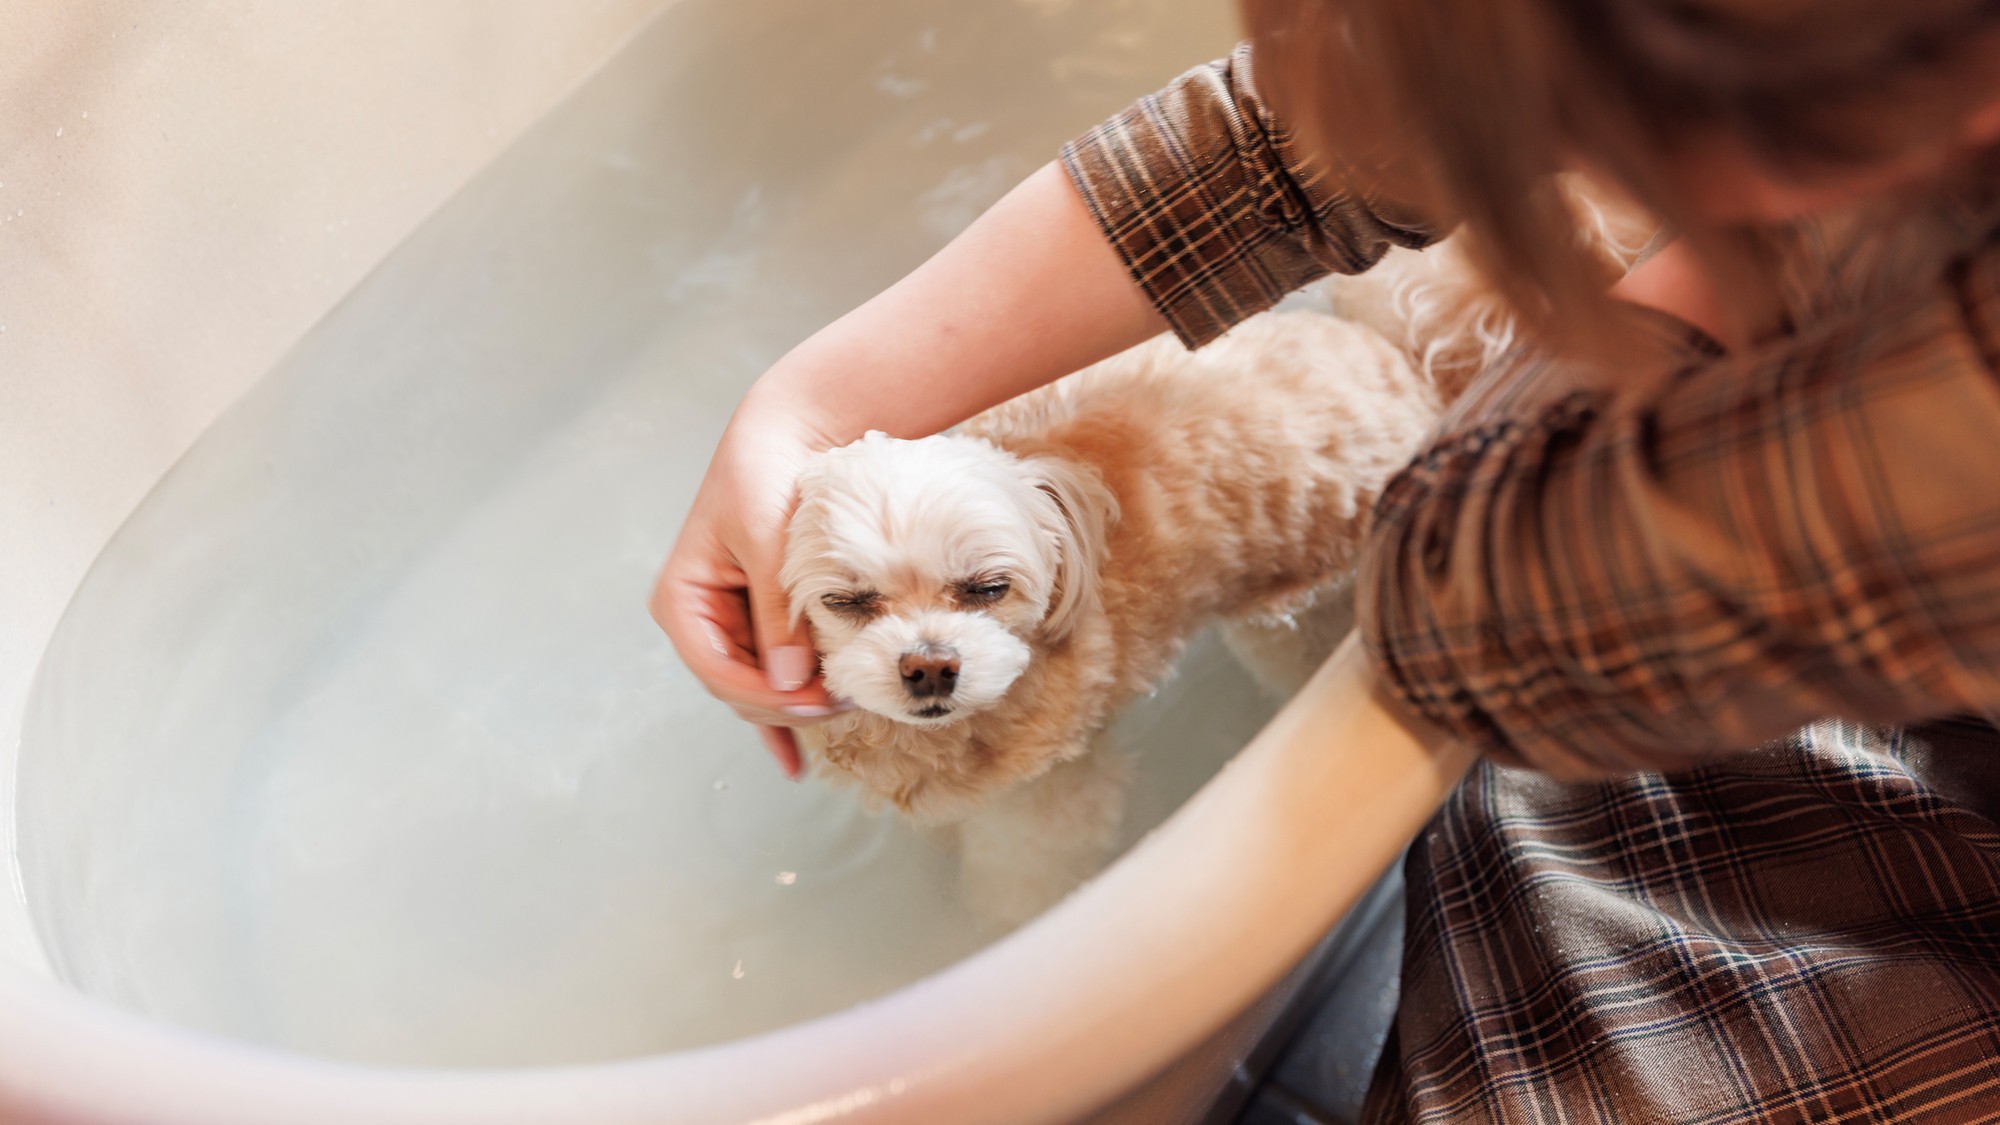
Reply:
x=821, y=394
x=1029, y=293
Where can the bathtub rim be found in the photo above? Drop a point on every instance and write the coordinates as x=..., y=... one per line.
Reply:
x=1050, y=1023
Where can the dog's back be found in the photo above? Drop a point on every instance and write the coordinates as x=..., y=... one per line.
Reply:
x=1243, y=471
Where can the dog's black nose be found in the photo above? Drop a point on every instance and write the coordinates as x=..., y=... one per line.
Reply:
x=930, y=670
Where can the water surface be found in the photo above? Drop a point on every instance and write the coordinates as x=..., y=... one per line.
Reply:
x=358, y=740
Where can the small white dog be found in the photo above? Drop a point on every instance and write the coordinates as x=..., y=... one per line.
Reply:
x=992, y=597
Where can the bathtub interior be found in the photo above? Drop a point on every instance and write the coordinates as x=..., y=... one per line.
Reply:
x=357, y=740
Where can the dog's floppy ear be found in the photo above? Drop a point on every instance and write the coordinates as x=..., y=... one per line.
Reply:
x=1080, y=514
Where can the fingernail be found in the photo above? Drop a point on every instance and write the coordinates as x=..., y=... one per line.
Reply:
x=789, y=667
x=814, y=711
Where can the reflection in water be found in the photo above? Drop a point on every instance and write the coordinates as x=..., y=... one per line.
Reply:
x=358, y=739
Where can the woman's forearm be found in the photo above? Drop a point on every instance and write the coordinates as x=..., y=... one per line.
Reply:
x=1030, y=292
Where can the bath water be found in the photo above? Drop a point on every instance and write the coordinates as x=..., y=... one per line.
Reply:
x=358, y=740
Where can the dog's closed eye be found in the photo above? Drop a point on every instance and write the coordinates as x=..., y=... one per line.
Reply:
x=983, y=591
x=855, y=603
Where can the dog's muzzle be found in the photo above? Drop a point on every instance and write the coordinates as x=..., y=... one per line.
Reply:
x=927, y=668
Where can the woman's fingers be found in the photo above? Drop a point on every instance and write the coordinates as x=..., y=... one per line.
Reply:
x=803, y=715
x=710, y=628
x=784, y=746
x=788, y=659
x=719, y=598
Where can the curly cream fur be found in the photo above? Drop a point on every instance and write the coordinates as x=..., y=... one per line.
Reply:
x=1433, y=303
x=1130, y=504
x=1171, y=489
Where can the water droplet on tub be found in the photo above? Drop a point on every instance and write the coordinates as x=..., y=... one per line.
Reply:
x=720, y=785
x=787, y=878
x=737, y=972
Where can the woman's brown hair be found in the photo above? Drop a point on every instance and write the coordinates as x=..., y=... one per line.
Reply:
x=1469, y=107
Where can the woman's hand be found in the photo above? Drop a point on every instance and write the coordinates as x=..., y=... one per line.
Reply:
x=718, y=597
x=1675, y=282
x=1031, y=291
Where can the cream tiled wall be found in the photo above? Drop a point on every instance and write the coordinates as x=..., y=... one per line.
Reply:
x=185, y=187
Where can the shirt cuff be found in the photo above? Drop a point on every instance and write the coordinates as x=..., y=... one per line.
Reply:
x=1214, y=209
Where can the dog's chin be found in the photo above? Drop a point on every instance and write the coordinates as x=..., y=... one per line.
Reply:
x=930, y=716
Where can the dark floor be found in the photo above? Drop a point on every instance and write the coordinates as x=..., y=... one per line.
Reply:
x=1313, y=1067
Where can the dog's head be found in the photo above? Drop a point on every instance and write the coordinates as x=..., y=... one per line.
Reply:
x=933, y=571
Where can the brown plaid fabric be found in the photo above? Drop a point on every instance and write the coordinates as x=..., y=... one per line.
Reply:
x=1216, y=211
x=1651, y=575
x=1802, y=934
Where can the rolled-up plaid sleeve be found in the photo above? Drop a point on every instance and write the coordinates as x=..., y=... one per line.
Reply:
x=1216, y=209
x=1614, y=582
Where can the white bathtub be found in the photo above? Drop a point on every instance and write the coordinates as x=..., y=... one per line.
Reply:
x=791, y=158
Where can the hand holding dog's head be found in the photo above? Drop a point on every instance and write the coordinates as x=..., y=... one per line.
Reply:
x=933, y=571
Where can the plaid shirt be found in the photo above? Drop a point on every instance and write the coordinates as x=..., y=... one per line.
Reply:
x=1723, y=607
